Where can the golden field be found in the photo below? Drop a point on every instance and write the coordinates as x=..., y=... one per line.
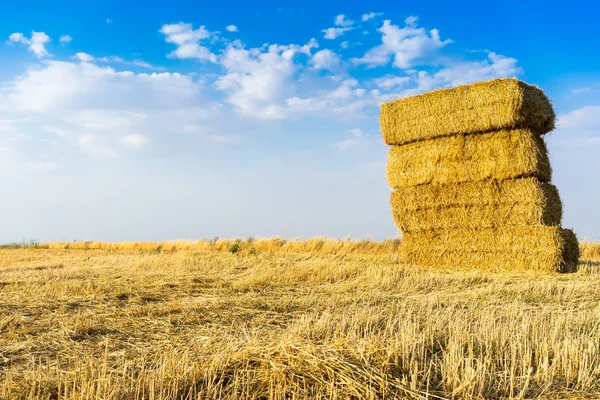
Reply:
x=288, y=320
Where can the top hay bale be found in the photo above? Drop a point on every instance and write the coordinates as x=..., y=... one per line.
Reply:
x=480, y=107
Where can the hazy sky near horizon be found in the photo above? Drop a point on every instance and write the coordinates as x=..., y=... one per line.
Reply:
x=178, y=120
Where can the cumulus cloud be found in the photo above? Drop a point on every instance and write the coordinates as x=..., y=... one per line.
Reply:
x=18, y=37
x=341, y=20
x=370, y=16
x=325, y=59
x=391, y=82
x=231, y=28
x=495, y=66
x=187, y=39
x=101, y=110
x=408, y=46
x=83, y=57
x=106, y=110
x=260, y=78
x=342, y=25
x=65, y=39
x=334, y=33
x=36, y=43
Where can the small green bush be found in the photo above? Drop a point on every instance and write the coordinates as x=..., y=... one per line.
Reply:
x=234, y=248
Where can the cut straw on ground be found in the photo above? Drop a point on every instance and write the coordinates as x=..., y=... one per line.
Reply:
x=480, y=107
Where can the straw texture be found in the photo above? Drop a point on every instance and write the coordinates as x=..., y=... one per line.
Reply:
x=486, y=204
x=480, y=107
x=500, y=155
x=471, y=176
x=510, y=248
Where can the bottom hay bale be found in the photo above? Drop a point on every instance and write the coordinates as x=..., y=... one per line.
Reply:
x=485, y=204
x=537, y=248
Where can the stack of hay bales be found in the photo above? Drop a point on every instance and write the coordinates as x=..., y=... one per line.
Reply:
x=471, y=179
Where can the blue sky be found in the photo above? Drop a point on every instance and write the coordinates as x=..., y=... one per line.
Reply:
x=166, y=120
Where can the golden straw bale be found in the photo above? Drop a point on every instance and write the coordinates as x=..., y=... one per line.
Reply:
x=508, y=154
x=479, y=107
x=504, y=249
x=482, y=204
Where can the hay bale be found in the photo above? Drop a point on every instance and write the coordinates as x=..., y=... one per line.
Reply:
x=539, y=248
x=486, y=204
x=508, y=154
x=479, y=107
x=571, y=251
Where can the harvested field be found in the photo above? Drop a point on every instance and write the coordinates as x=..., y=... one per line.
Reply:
x=511, y=248
x=485, y=106
x=197, y=324
x=485, y=204
x=498, y=155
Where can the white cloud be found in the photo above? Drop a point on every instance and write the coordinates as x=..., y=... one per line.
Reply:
x=100, y=109
x=325, y=59
x=36, y=43
x=334, y=33
x=585, y=119
x=344, y=45
x=110, y=59
x=188, y=41
x=143, y=64
x=391, y=82
x=409, y=46
x=109, y=21
x=495, y=66
x=257, y=80
x=135, y=141
x=357, y=139
x=83, y=57
x=586, y=89
x=341, y=20
x=346, y=101
x=342, y=24
x=18, y=37
x=65, y=39
x=371, y=15
x=231, y=28
x=580, y=127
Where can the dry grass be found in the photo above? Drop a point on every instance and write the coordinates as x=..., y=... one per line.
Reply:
x=487, y=204
x=249, y=245
x=200, y=323
x=590, y=251
x=481, y=107
x=516, y=153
